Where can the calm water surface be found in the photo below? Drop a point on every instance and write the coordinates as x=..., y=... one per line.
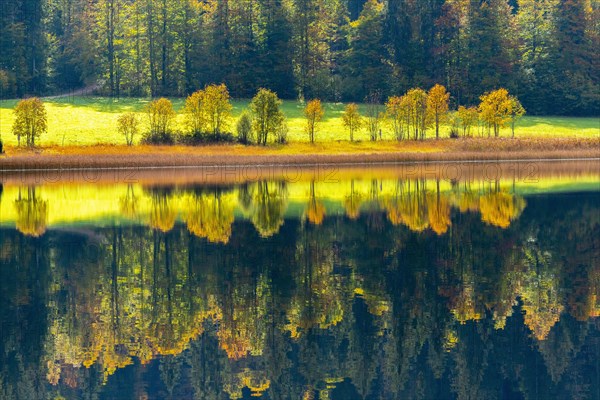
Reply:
x=350, y=288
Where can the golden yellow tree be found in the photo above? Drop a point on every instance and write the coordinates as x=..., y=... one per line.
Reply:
x=31, y=120
x=128, y=126
x=396, y=111
x=437, y=106
x=352, y=119
x=209, y=110
x=418, y=118
x=313, y=113
x=161, y=115
x=217, y=108
x=195, y=119
x=468, y=118
x=495, y=109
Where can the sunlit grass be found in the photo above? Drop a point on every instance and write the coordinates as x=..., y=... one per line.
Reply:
x=77, y=121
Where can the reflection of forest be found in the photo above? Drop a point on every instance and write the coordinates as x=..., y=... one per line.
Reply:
x=342, y=308
x=209, y=212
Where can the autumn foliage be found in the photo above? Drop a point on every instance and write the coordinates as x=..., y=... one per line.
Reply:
x=31, y=120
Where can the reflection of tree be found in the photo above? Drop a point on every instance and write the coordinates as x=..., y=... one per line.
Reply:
x=438, y=208
x=243, y=326
x=129, y=203
x=352, y=202
x=542, y=300
x=499, y=208
x=268, y=207
x=333, y=310
x=32, y=214
x=464, y=198
x=137, y=301
x=315, y=212
x=255, y=381
x=210, y=215
x=162, y=214
x=318, y=299
x=465, y=307
x=408, y=206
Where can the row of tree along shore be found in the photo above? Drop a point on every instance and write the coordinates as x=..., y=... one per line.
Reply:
x=208, y=118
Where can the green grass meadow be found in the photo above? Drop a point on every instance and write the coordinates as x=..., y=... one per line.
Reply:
x=82, y=121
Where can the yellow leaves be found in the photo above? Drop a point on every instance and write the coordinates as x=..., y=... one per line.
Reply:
x=247, y=378
x=465, y=307
x=450, y=340
x=438, y=208
x=127, y=125
x=316, y=212
x=397, y=111
x=437, y=99
x=211, y=216
x=468, y=118
x=161, y=114
x=162, y=216
x=541, y=302
x=31, y=120
x=495, y=109
x=352, y=119
x=53, y=374
x=313, y=113
x=437, y=105
x=209, y=110
x=32, y=214
x=500, y=208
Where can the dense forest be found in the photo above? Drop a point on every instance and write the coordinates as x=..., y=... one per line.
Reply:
x=338, y=50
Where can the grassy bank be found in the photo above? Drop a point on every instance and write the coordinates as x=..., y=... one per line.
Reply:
x=338, y=152
x=84, y=121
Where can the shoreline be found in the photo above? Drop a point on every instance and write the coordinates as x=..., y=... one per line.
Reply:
x=298, y=154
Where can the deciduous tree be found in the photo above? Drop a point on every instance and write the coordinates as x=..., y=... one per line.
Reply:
x=495, y=109
x=516, y=112
x=267, y=115
x=352, y=119
x=374, y=116
x=437, y=106
x=161, y=116
x=416, y=104
x=244, y=128
x=217, y=107
x=468, y=118
x=313, y=113
x=128, y=126
x=31, y=120
x=397, y=113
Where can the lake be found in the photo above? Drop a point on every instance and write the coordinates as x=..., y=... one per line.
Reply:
x=468, y=281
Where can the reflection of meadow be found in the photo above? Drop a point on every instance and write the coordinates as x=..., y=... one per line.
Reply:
x=209, y=212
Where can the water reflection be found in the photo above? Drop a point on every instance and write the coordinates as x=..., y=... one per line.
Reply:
x=367, y=289
x=209, y=212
